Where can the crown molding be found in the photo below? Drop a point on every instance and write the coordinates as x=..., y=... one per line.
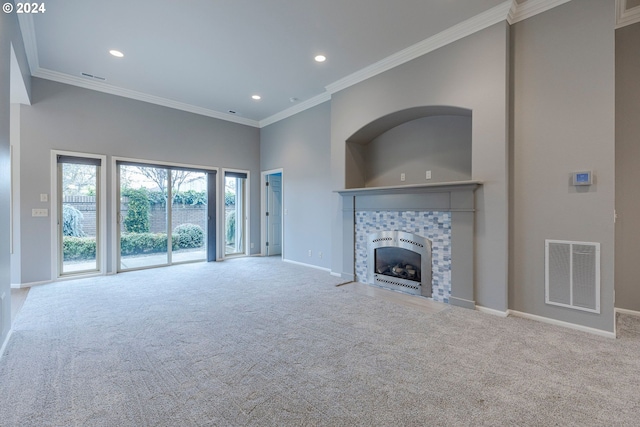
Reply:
x=509, y=11
x=457, y=32
x=305, y=105
x=626, y=16
x=529, y=8
x=127, y=93
x=25, y=21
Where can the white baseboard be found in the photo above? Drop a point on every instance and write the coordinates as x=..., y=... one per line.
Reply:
x=492, y=311
x=28, y=285
x=333, y=273
x=568, y=325
x=59, y=279
x=328, y=270
x=4, y=344
x=627, y=311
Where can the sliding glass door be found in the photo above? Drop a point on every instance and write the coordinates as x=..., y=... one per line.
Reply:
x=163, y=215
x=189, y=216
x=143, y=217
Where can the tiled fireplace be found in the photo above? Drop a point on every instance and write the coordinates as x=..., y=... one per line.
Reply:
x=434, y=226
x=441, y=213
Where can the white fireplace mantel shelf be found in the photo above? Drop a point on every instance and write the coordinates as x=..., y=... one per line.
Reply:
x=411, y=188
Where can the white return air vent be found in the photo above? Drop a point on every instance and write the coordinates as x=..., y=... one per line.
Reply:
x=572, y=274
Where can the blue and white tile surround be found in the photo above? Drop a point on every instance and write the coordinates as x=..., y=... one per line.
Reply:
x=435, y=226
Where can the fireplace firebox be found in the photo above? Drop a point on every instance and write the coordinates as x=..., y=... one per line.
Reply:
x=400, y=261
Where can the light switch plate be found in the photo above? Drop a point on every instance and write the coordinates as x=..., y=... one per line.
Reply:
x=44, y=197
x=39, y=212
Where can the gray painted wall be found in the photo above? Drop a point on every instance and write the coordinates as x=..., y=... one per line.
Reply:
x=441, y=144
x=470, y=73
x=69, y=118
x=563, y=121
x=9, y=35
x=627, y=271
x=300, y=145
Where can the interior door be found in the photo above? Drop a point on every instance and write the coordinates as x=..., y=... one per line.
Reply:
x=274, y=214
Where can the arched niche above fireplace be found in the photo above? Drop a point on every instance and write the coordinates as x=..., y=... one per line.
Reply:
x=411, y=142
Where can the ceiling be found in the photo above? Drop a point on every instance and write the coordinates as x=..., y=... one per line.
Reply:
x=211, y=56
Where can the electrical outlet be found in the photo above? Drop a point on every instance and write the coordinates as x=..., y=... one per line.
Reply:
x=428, y=175
x=319, y=254
x=402, y=177
x=310, y=252
x=252, y=245
x=44, y=197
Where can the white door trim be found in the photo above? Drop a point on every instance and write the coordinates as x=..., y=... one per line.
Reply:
x=53, y=205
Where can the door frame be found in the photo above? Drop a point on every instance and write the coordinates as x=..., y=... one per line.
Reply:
x=115, y=259
x=247, y=215
x=263, y=211
x=102, y=212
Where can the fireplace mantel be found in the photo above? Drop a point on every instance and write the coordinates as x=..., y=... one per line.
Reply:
x=435, y=187
x=454, y=197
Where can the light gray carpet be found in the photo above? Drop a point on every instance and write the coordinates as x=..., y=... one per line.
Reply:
x=255, y=341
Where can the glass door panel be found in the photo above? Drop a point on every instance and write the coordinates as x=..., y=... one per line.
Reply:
x=188, y=216
x=79, y=213
x=234, y=213
x=143, y=216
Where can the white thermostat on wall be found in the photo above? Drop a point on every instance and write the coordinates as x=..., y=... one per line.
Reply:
x=582, y=178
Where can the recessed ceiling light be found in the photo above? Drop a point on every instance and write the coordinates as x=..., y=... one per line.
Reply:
x=256, y=97
x=320, y=58
x=116, y=53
